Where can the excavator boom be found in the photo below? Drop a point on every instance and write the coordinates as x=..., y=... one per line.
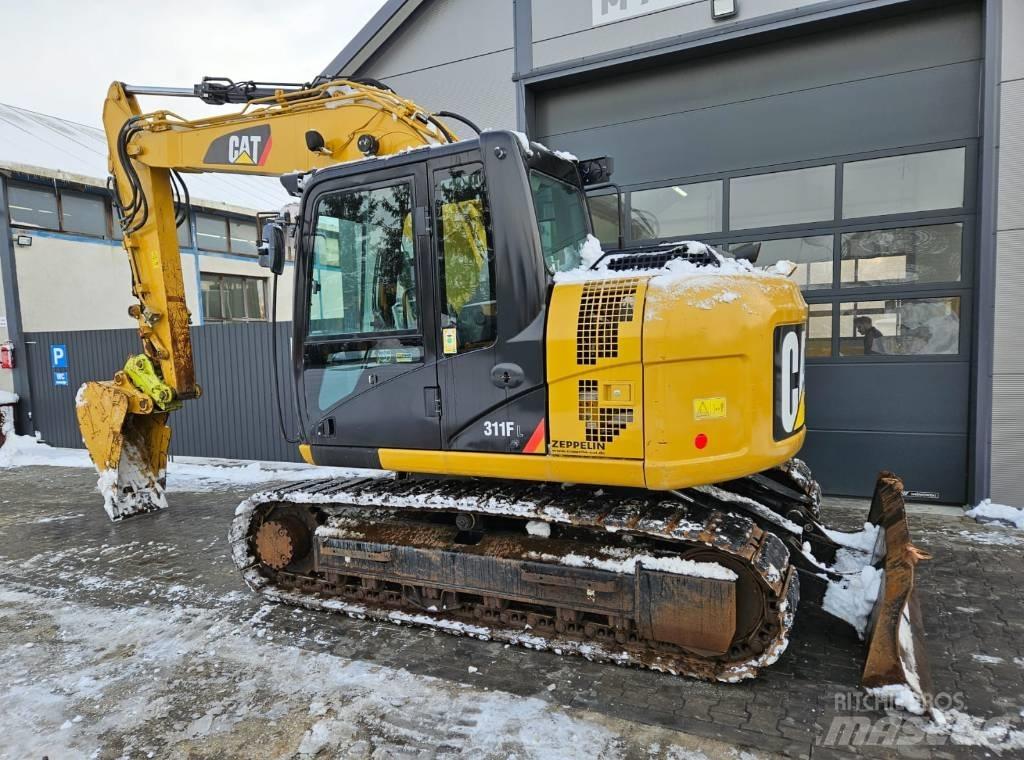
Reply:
x=124, y=421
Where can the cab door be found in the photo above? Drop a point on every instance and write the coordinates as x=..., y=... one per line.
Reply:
x=490, y=330
x=369, y=375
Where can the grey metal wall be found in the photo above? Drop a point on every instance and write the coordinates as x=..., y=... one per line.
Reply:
x=454, y=55
x=1008, y=369
x=236, y=416
x=565, y=30
x=872, y=86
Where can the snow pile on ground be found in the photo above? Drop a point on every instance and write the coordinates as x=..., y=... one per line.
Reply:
x=987, y=512
x=1002, y=734
x=183, y=473
x=23, y=451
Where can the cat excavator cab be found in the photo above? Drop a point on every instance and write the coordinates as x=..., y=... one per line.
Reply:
x=585, y=451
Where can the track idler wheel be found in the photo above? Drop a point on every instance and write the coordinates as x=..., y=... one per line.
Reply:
x=281, y=541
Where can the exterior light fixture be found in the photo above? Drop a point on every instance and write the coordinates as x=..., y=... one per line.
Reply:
x=722, y=9
x=23, y=240
x=682, y=193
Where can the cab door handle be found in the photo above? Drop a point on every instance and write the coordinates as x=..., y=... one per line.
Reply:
x=507, y=375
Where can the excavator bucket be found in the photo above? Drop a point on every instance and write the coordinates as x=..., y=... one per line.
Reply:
x=896, y=665
x=128, y=443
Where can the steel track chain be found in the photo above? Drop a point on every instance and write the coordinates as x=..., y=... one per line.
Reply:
x=689, y=518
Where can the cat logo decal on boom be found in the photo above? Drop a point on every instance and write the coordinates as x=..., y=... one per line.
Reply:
x=246, y=147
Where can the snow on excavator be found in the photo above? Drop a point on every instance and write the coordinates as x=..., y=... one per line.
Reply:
x=584, y=451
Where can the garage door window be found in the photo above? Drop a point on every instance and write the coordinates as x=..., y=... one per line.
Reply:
x=604, y=213
x=677, y=210
x=904, y=184
x=812, y=256
x=900, y=327
x=801, y=196
x=924, y=254
x=819, y=329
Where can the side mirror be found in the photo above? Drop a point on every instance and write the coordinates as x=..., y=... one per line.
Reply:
x=271, y=247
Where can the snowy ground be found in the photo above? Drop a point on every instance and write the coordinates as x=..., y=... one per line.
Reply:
x=137, y=638
x=110, y=647
x=178, y=679
x=1000, y=514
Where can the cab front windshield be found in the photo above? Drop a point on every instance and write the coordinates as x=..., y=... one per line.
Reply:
x=562, y=218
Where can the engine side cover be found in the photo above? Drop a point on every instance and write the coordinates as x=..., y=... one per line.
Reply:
x=701, y=377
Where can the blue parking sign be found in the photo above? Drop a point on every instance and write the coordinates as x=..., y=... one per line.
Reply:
x=60, y=377
x=59, y=356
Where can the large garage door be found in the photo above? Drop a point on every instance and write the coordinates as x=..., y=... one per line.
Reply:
x=852, y=152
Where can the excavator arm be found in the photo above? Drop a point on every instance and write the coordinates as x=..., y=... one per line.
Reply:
x=124, y=420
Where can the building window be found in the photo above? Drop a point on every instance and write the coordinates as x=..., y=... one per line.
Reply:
x=221, y=234
x=812, y=256
x=604, y=213
x=819, y=330
x=243, y=237
x=904, y=184
x=185, y=233
x=900, y=327
x=800, y=196
x=902, y=255
x=231, y=298
x=32, y=206
x=677, y=210
x=83, y=213
x=211, y=233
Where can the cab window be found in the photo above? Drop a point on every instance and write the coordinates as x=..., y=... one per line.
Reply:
x=562, y=217
x=463, y=221
x=364, y=266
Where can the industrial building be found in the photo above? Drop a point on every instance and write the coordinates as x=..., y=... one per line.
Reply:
x=876, y=143
x=66, y=283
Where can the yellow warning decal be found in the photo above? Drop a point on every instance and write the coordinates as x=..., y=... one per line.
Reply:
x=709, y=408
x=450, y=341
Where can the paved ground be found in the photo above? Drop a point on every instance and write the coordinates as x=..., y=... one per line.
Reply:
x=138, y=640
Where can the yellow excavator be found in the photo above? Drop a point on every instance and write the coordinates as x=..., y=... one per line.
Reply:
x=584, y=451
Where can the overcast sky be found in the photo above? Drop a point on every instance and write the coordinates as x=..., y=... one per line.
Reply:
x=59, y=56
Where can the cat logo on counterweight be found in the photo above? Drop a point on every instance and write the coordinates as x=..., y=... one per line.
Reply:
x=790, y=346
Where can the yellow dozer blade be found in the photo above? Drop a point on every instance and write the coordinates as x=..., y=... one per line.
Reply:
x=127, y=439
x=896, y=665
